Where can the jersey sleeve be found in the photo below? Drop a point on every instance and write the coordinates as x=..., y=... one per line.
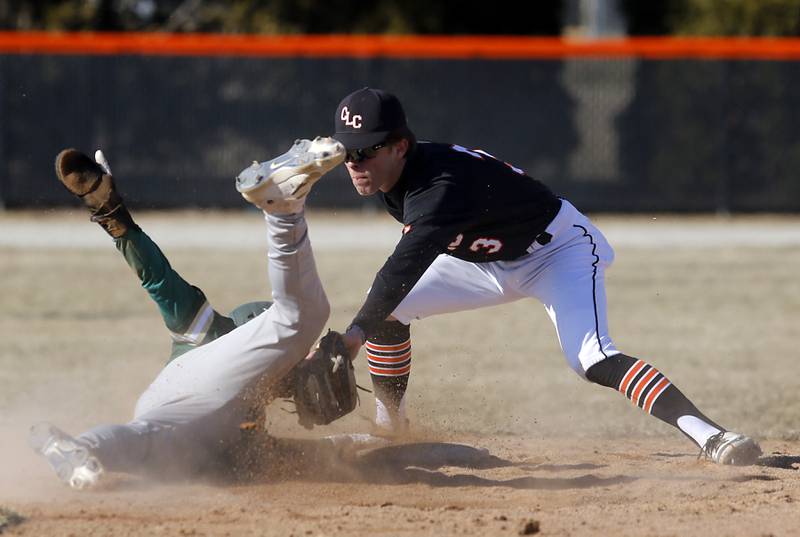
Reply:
x=411, y=258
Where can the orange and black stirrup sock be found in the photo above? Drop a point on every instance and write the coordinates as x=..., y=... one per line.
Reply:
x=648, y=388
x=389, y=361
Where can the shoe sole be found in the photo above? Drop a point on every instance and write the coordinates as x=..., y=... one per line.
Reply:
x=299, y=160
x=743, y=454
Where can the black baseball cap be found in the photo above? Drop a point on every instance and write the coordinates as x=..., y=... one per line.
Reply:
x=366, y=117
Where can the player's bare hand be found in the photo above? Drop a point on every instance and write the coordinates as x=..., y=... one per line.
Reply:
x=353, y=340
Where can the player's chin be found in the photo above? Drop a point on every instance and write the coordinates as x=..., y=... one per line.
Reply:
x=364, y=188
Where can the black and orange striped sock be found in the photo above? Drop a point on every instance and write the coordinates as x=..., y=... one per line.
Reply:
x=648, y=388
x=389, y=361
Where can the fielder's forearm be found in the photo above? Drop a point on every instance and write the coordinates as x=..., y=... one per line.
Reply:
x=403, y=269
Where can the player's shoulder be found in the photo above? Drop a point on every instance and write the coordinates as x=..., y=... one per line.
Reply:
x=458, y=166
x=437, y=151
x=434, y=158
x=438, y=154
x=437, y=176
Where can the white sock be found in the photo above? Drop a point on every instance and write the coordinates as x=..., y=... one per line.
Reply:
x=388, y=419
x=699, y=430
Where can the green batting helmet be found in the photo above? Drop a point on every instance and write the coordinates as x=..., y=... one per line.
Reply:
x=251, y=310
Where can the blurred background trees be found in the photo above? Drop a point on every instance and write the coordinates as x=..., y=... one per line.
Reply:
x=543, y=17
x=284, y=16
x=778, y=18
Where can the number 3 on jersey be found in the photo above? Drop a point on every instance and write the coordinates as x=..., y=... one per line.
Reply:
x=492, y=246
x=481, y=154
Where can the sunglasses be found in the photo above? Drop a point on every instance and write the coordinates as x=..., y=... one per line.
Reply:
x=360, y=155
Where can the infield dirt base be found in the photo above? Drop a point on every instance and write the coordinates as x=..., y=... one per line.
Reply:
x=507, y=439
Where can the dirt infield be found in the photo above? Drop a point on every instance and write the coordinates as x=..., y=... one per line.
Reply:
x=507, y=440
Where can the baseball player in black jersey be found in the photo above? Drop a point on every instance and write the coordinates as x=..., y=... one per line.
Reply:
x=478, y=232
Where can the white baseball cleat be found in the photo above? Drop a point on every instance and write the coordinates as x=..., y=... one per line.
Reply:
x=73, y=463
x=727, y=447
x=280, y=185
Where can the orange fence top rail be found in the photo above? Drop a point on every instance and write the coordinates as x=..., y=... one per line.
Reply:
x=371, y=46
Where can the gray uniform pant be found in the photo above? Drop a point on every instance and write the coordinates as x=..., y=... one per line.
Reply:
x=190, y=416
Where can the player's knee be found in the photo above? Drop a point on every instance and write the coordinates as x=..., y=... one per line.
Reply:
x=314, y=311
x=317, y=315
x=609, y=371
x=307, y=318
x=323, y=309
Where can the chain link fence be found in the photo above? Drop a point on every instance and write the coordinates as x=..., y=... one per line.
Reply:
x=609, y=134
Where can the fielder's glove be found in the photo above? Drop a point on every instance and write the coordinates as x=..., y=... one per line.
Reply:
x=325, y=385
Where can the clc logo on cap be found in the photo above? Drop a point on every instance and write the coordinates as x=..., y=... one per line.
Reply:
x=366, y=117
x=354, y=122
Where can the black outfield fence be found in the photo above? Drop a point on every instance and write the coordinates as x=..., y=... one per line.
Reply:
x=620, y=133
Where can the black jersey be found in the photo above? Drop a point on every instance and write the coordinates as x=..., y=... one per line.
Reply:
x=461, y=202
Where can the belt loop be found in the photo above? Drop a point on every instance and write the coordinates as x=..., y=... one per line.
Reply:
x=543, y=238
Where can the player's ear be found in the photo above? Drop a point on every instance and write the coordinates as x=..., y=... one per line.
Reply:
x=401, y=146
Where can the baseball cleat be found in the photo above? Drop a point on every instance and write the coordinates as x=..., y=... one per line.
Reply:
x=281, y=184
x=727, y=447
x=73, y=463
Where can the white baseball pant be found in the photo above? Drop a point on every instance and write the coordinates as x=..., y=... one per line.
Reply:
x=566, y=275
x=191, y=413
